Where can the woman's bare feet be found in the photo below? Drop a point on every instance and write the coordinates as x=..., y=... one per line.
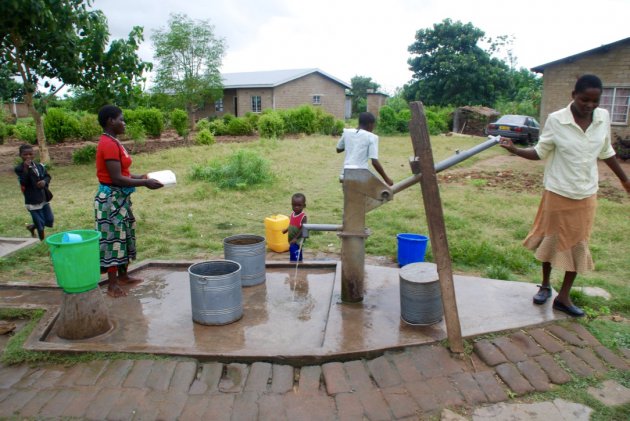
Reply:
x=114, y=290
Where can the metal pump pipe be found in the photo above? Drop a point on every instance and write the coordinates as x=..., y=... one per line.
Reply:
x=319, y=227
x=447, y=163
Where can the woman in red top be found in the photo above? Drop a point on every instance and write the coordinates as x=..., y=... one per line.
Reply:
x=112, y=204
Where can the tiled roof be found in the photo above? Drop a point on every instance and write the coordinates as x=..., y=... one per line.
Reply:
x=271, y=78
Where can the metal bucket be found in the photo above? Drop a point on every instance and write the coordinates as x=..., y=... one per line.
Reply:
x=420, y=294
x=249, y=251
x=216, y=297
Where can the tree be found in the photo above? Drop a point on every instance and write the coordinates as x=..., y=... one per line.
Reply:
x=360, y=87
x=189, y=55
x=451, y=68
x=54, y=43
x=10, y=89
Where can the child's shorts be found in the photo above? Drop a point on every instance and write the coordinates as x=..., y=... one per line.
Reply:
x=295, y=254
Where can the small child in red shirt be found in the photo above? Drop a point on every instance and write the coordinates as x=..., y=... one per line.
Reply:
x=297, y=219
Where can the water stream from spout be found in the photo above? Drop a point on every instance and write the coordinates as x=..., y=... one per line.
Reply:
x=297, y=263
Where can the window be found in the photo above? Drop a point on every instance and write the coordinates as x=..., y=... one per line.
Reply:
x=617, y=102
x=317, y=99
x=218, y=105
x=256, y=104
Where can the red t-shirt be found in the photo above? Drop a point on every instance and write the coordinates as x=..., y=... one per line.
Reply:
x=111, y=149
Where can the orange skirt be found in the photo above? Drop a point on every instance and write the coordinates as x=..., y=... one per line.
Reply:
x=561, y=232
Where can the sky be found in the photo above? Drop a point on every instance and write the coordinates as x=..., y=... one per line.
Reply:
x=346, y=38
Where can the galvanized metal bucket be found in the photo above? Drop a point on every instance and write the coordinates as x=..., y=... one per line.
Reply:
x=249, y=251
x=216, y=296
x=420, y=294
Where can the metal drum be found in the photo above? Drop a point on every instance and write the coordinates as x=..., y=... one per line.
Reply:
x=249, y=251
x=216, y=296
x=420, y=294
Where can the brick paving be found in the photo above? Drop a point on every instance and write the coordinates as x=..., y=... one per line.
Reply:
x=398, y=385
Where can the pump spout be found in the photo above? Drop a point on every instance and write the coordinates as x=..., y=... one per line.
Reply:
x=319, y=227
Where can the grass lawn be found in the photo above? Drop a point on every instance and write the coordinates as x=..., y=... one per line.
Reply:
x=485, y=223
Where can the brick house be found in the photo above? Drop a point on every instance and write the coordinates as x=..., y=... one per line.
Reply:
x=611, y=62
x=279, y=89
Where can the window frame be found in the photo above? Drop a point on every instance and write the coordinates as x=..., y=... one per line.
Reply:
x=218, y=105
x=611, y=107
x=318, y=101
x=256, y=103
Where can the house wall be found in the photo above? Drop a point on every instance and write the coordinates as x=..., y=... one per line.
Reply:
x=18, y=109
x=612, y=67
x=375, y=102
x=300, y=91
x=244, y=98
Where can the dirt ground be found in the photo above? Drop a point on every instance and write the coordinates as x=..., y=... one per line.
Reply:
x=501, y=171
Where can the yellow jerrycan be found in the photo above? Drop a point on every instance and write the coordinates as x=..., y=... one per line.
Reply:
x=276, y=240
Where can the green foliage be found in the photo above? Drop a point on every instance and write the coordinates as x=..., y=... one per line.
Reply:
x=252, y=119
x=325, y=122
x=387, y=121
x=239, y=127
x=189, y=55
x=243, y=169
x=152, y=119
x=338, y=128
x=180, y=122
x=4, y=131
x=204, y=137
x=302, y=119
x=89, y=128
x=60, y=125
x=135, y=131
x=271, y=125
x=218, y=127
x=84, y=155
x=451, y=68
x=25, y=130
x=227, y=117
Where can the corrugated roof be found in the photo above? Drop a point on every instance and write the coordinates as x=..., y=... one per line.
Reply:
x=569, y=59
x=271, y=78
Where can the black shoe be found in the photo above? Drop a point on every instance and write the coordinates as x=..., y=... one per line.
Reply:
x=571, y=310
x=31, y=228
x=543, y=294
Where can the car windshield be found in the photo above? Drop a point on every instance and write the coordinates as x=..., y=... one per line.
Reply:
x=512, y=119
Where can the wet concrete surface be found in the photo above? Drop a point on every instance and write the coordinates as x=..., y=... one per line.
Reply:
x=300, y=318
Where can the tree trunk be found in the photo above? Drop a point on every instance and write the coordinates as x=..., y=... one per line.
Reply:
x=39, y=127
x=83, y=315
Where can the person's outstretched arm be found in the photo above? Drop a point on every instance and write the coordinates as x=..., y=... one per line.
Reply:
x=528, y=153
x=379, y=168
x=619, y=172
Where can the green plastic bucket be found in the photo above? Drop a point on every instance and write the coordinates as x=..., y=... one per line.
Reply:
x=76, y=259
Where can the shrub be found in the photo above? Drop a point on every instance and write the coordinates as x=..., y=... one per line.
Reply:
x=242, y=169
x=152, y=120
x=271, y=125
x=84, y=155
x=60, y=125
x=204, y=123
x=338, y=128
x=89, y=128
x=303, y=119
x=239, y=127
x=135, y=131
x=204, y=137
x=439, y=119
x=217, y=127
x=180, y=122
x=4, y=131
x=402, y=120
x=387, y=122
x=325, y=123
x=25, y=131
x=252, y=119
x=227, y=117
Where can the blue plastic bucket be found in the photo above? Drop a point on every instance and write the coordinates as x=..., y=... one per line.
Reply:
x=411, y=248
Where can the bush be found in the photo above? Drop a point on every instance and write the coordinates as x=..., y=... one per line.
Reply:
x=84, y=155
x=25, y=130
x=402, y=120
x=204, y=137
x=204, y=123
x=271, y=125
x=252, y=119
x=135, y=131
x=338, y=128
x=180, y=122
x=239, y=127
x=242, y=169
x=4, y=131
x=325, y=123
x=387, y=122
x=152, y=120
x=303, y=119
x=89, y=128
x=217, y=127
x=60, y=125
x=227, y=117
x=439, y=119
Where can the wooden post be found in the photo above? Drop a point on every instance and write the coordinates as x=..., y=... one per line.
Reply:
x=83, y=315
x=435, y=220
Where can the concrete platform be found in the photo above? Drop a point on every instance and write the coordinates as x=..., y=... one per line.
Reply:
x=10, y=245
x=292, y=318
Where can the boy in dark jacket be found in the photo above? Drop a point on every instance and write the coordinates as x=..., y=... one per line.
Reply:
x=34, y=181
